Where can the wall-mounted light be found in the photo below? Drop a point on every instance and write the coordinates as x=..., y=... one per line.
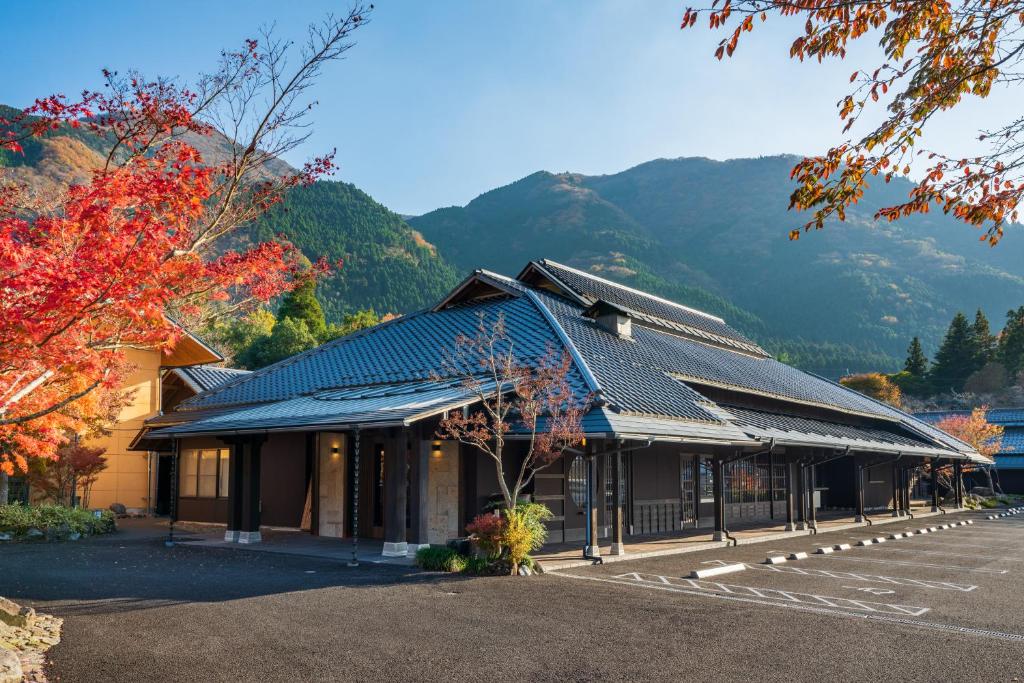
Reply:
x=335, y=452
x=435, y=449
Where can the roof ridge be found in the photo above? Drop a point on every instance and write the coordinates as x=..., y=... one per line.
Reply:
x=577, y=357
x=619, y=285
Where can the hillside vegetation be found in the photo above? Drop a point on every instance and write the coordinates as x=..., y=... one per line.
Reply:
x=714, y=235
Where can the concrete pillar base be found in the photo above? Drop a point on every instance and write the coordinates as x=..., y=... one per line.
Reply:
x=395, y=549
x=414, y=547
x=801, y=526
x=593, y=551
x=790, y=527
x=859, y=519
x=231, y=536
x=618, y=549
x=718, y=536
x=935, y=509
x=896, y=513
x=250, y=537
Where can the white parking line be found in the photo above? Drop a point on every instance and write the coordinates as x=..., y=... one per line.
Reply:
x=907, y=563
x=937, y=626
x=918, y=551
x=775, y=594
x=857, y=576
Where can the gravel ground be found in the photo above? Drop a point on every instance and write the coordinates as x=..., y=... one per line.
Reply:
x=135, y=610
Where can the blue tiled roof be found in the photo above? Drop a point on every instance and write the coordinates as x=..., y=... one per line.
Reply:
x=1010, y=462
x=592, y=288
x=207, y=377
x=407, y=349
x=1013, y=441
x=648, y=384
x=362, y=406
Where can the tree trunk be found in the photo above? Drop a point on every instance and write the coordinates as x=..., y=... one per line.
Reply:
x=4, y=488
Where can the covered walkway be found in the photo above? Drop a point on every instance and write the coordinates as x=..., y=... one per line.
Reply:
x=554, y=556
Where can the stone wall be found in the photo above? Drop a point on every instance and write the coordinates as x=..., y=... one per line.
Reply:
x=443, y=493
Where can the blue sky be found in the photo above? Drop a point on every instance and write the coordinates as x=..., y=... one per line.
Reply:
x=441, y=101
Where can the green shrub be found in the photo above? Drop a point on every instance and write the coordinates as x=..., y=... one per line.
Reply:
x=440, y=559
x=989, y=503
x=54, y=520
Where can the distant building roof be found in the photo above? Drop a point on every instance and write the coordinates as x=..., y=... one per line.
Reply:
x=1010, y=419
x=658, y=382
x=205, y=377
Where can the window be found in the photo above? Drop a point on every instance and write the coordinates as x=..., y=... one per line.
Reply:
x=578, y=481
x=707, y=481
x=204, y=473
x=189, y=470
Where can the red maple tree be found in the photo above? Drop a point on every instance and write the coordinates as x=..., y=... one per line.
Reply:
x=530, y=400
x=114, y=261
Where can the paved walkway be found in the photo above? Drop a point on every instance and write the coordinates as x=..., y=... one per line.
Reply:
x=286, y=542
x=567, y=555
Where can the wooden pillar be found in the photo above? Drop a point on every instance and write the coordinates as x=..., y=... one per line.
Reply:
x=958, y=483
x=812, y=515
x=895, y=489
x=235, y=490
x=420, y=473
x=249, y=529
x=593, y=502
x=906, y=489
x=935, y=485
x=801, y=496
x=718, y=476
x=396, y=483
x=618, y=547
x=696, y=491
x=858, y=490
x=790, y=502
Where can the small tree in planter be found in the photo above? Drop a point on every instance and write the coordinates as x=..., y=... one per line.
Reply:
x=530, y=400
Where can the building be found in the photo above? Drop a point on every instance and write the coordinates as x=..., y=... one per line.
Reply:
x=693, y=425
x=1009, y=462
x=158, y=380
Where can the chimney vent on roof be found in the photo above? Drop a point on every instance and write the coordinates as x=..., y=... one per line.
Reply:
x=612, y=318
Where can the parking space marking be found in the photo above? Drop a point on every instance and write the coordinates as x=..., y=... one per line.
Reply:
x=857, y=576
x=867, y=616
x=908, y=563
x=918, y=551
x=958, y=544
x=775, y=594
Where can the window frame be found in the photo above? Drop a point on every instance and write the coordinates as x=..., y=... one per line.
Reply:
x=221, y=488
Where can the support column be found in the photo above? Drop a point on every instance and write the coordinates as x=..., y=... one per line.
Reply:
x=249, y=529
x=618, y=547
x=593, y=497
x=235, y=491
x=812, y=515
x=396, y=482
x=958, y=483
x=420, y=473
x=906, y=490
x=935, y=485
x=790, y=502
x=858, y=491
x=895, y=489
x=801, y=497
x=718, y=470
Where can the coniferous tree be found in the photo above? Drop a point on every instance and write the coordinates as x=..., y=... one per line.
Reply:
x=301, y=304
x=916, y=363
x=1011, y=343
x=984, y=340
x=955, y=359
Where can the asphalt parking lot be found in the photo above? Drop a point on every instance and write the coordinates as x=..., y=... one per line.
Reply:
x=932, y=574
x=940, y=606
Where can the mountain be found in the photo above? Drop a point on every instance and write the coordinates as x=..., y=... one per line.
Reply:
x=388, y=266
x=713, y=235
